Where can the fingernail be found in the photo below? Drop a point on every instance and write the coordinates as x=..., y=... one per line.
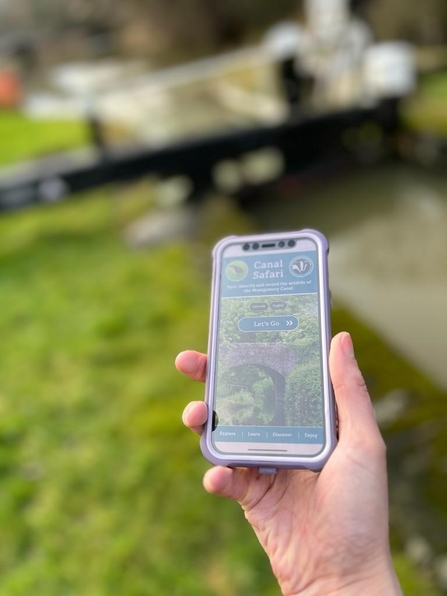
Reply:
x=186, y=411
x=347, y=345
x=188, y=364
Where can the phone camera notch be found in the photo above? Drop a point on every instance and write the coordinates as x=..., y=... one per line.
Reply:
x=255, y=246
x=246, y=247
x=281, y=244
x=291, y=243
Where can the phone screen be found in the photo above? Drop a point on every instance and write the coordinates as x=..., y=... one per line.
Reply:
x=268, y=382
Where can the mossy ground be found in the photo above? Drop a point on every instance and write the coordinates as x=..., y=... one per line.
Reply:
x=25, y=138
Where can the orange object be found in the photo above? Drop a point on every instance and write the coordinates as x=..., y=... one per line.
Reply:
x=11, y=91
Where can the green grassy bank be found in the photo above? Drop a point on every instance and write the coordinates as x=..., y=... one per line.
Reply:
x=100, y=485
x=25, y=138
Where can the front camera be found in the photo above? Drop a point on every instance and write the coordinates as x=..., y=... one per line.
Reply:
x=255, y=246
x=281, y=244
x=291, y=243
x=246, y=247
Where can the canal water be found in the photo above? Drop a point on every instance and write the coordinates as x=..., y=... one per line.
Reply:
x=387, y=228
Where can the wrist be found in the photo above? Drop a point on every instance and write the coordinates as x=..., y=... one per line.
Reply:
x=372, y=588
x=380, y=583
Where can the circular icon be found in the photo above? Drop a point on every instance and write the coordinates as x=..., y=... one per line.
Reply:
x=301, y=266
x=236, y=270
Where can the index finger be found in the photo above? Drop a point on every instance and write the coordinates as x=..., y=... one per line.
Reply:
x=193, y=364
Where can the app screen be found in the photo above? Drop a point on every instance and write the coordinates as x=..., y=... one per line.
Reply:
x=268, y=384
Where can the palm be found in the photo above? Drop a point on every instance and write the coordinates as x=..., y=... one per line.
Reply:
x=305, y=521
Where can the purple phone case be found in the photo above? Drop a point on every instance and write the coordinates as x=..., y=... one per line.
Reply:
x=264, y=463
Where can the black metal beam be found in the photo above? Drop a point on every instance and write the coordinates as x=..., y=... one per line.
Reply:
x=302, y=143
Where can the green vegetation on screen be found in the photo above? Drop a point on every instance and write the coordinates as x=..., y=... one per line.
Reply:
x=100, y=484
x=247, y=392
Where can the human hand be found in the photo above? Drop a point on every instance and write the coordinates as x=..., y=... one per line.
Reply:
x=325, y=533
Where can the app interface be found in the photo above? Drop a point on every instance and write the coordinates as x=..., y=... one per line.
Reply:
x=268, y=385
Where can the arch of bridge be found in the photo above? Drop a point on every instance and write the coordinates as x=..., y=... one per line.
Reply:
x=275, y=356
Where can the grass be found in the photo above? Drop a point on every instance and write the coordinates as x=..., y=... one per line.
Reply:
x=101, y=485
x=100, y=482
x=25, y=138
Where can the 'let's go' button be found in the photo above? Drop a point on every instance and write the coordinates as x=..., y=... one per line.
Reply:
x=279, y=323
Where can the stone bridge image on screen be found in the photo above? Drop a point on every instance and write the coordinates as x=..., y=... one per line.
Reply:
x=276, y=359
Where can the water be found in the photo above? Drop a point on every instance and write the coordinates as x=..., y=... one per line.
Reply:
x=387, y=228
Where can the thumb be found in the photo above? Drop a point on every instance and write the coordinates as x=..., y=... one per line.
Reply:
x=357, y=422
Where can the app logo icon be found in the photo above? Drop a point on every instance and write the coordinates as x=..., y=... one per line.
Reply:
x=236, y=270
x=301, y=266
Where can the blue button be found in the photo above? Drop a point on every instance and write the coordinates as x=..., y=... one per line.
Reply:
x=257, y=324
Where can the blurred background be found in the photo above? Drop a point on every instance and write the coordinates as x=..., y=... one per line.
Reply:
x=133, y=136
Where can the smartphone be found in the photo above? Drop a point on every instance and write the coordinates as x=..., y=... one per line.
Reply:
x=268, y=389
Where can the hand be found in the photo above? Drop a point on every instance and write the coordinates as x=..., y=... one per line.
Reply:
x=325, y=533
